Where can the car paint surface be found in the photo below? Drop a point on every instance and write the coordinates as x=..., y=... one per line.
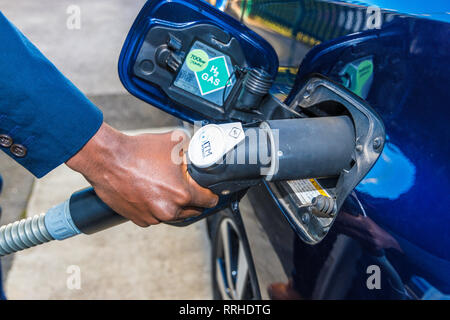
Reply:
x=396, y=56
x=405, y=194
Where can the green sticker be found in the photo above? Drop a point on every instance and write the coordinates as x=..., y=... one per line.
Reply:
x=197, y=60
x=357, y=76
x=215, y=77
x=364, y=72
x=206, y=73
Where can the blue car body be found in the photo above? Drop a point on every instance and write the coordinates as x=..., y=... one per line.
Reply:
x=406, y=191
x=396, y=56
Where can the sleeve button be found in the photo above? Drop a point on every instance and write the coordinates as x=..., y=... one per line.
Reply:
x=18, y=150
x=5, y=140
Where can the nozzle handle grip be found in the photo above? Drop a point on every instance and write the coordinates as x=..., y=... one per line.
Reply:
x=90, y=214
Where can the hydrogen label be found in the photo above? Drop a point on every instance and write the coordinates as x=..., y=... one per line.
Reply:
x=206, y=73
x=214, y=77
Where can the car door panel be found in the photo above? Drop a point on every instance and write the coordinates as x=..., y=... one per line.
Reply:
x=166, y=30
x=397, y=51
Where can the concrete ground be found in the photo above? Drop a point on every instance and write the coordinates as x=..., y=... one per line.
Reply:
x=126, y=262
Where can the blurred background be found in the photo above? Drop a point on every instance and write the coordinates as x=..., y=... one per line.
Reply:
x=125, y=262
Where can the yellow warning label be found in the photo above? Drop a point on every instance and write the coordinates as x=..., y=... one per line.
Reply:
x=319, y=188
x=307, y=189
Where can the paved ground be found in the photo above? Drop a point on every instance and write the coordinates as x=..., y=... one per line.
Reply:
x=125, y=262
x=87, y=56
x=17, y=185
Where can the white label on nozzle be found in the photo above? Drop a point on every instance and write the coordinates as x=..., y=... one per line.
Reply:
x=211, y=142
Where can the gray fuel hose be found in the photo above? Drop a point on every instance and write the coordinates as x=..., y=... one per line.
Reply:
x=84, y=213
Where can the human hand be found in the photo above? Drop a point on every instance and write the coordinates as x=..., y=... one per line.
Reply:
x=143, y=178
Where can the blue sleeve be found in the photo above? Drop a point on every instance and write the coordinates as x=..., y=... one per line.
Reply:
x=45, y=117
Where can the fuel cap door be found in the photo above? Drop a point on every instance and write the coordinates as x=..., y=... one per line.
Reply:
x=181, y=56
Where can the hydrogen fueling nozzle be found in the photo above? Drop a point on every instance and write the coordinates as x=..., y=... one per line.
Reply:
x=229, y=157
x=223, y=157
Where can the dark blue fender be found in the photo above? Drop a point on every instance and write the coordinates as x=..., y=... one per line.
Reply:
x=406, y=192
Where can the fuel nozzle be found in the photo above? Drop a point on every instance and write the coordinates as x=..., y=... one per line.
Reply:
x=230, y=157
x=225, y=158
